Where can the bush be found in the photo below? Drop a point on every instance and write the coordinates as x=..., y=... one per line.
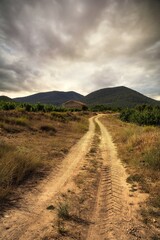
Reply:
x=63, y=210
x=64, y=116
x=152, y=158
x=142, y=115
x=48, y=128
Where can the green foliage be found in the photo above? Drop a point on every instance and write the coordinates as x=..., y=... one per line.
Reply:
x=103, y=108
x=7, y=105
x=30, y=107
x=142, y=115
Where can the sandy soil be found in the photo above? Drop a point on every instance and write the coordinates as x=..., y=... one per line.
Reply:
x=115, y=215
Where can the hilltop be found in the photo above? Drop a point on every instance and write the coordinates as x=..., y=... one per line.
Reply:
x=53, y=97
x=5, y=99
x=114, y=97
x=118, y=97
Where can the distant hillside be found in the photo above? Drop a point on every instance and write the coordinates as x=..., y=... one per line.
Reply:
x=118, y=97
x=55, y=97
x=5, y=99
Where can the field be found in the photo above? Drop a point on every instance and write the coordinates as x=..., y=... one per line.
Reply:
x=78, y=175
x=33, y=143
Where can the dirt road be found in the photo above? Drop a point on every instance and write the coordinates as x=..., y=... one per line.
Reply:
x=113, y=215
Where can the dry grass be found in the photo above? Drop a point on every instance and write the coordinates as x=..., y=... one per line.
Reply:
x=15, y=166
x=138, y=147
x=32, y=142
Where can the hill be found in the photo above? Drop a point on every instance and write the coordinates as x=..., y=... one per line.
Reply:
x=118, y=97
x=115, y=97
x=54, y=97
x=5, y=99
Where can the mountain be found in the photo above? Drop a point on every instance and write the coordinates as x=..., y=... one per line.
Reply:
x=54, y=97
x=5, y=99
x=118, y=97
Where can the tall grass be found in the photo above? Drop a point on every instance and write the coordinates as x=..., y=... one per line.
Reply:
x=64, y=116
x=15, y=166
x=152, y=158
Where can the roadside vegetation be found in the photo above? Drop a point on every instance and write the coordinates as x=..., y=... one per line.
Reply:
x=138, y=147
x=33, y=143
x=15, y=166
x=142, y=115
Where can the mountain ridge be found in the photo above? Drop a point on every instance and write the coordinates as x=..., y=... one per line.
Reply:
x=5, y=99
x=51, y=97
x=120, y=96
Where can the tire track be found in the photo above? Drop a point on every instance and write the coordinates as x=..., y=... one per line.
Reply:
x=32, y=219
x=112, y=212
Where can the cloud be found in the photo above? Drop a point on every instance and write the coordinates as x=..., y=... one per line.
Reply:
x=80, y=45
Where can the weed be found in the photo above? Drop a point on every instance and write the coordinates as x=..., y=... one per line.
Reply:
x=135, y=178
x=22, y=121
x=10, y=128
x=152, y=158
x=63, y=210
x=48, y=128
x=64, y=116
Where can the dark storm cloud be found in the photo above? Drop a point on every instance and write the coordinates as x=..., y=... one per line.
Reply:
x=45, y=27
x=34, y=33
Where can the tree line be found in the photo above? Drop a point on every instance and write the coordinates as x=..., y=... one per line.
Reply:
x=142, y=115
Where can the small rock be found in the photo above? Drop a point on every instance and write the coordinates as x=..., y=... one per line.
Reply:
x=51, y=207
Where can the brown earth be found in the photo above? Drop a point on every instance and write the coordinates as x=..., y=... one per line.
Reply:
x=114, y=213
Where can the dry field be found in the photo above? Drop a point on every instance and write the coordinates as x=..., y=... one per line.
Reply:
x=100, y=184
x=33, y=143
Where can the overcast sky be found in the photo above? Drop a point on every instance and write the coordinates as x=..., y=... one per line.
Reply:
x=80, y=45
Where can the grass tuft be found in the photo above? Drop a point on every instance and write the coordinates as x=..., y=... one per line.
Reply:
x=63, y=210
x=15, y=166
x=48, y=128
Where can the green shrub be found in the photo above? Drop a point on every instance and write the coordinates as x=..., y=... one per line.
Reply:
x=142, y=115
